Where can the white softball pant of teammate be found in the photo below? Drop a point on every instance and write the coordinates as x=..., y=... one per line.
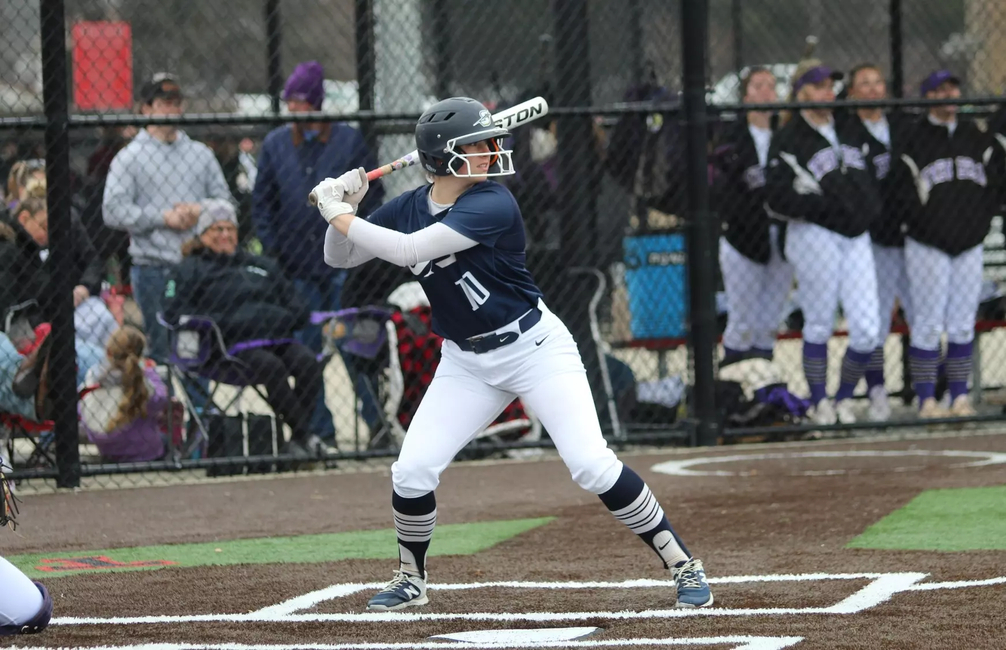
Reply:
x=756, y=295
x=892, y=283
x=470, y=390
x=945, y=293
x=20, y=599
x=832, y=268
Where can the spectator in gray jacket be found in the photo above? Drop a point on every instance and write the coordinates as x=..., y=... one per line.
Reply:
x=154, y=191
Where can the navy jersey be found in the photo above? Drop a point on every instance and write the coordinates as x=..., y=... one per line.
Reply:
x=480, y=289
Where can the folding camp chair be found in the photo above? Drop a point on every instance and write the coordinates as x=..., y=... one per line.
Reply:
x=202, y=362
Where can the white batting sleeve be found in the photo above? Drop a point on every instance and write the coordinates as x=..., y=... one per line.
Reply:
x=341, y=253
x=430, y=243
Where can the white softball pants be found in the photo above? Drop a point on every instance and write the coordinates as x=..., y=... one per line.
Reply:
x=945, y=293
x=543, y=367
x=892, y=283
x=832, y=268
x=756, y=296
x=20, y=599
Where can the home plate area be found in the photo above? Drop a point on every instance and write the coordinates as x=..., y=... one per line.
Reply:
x=552, y=614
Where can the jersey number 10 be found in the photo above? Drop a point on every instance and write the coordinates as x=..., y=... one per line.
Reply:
x=477, y=294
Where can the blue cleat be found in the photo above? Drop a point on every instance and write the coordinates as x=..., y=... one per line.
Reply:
x=690, y=580
x=403, y=591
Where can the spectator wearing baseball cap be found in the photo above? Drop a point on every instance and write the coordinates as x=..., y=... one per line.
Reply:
x=293, y=159
x=155, y=190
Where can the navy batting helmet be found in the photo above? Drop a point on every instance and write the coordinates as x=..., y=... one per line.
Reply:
x=457, y=121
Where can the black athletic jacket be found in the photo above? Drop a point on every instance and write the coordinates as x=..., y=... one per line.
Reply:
x=809, y=181
x=739, y=194
x=888, y=229
x=950, y=184
x=247, y=296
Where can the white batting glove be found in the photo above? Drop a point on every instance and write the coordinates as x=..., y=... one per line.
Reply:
x=355, y=185
x=331, y=209
x=330, y=199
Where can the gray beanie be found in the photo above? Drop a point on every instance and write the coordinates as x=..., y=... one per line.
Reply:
x=215, y=210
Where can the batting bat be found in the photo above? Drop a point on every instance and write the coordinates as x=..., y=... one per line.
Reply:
x=510, y=118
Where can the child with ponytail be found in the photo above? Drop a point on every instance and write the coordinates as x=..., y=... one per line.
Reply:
x=121, y=414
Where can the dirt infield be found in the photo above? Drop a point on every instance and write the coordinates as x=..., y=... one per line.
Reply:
x=772, y=532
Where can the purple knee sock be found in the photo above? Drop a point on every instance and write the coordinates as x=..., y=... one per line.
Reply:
x=815, y=367
x=853, y=366
x=875, y=369
x=958, y=368
x=923, y=366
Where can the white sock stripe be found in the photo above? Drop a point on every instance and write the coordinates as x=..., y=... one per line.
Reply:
x=636, y=504
x=647, y=520
x=422, y=532
x=415, y=518
x=426, y=522
x=408, y=537
x=641, y=513
x=653, y=522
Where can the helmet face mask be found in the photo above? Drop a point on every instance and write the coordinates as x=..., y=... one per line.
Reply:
x=500, y=163
x=447, y=126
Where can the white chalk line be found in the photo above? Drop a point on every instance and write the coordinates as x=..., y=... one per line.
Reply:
x=682, y=467
x=881, y=588
x=745, y=643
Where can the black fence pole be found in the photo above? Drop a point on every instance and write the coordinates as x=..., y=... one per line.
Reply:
x=63, y=358
x=702, y=238
x=273, y=39
x=442, y=48
x=637, y=57
x=737, y=22
x=897, y=50
x=577, y=191
x=366, y=65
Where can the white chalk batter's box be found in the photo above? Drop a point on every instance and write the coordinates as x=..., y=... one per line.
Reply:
x=879, y=588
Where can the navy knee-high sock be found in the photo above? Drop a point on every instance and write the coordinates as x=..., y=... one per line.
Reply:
x=414, y=523
x=632, y=503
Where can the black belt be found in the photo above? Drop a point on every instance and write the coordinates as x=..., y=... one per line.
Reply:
x=489, y=342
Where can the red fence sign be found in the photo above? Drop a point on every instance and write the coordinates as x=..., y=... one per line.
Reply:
x=102, y=65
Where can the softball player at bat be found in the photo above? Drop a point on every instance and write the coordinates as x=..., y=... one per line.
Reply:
x=462, y=236
x=954, y=173
x=885, y=133
x=25, y=606
x=820, y=179
x=756, y=278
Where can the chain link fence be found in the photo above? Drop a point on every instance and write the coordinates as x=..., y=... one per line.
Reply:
x=166, y=306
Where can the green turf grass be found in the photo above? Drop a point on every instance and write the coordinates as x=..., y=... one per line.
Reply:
x=452, y=539
x=960, y=519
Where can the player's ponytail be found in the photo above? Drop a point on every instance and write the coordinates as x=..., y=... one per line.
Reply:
x=125, y=352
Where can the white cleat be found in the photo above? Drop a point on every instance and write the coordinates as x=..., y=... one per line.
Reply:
x=844, y=412
x=823, y=413
x=880, y=405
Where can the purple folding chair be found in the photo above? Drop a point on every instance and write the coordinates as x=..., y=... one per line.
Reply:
x=197, y=350
x=357, y=330
x=363, y=332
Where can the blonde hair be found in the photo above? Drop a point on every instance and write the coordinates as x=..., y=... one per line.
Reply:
x=22, y=175
x=125, y=352
x=32, y=205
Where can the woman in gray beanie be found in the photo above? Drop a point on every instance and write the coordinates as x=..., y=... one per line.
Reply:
x=252, y=302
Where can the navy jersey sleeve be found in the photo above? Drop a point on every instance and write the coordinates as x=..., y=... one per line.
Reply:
x=483, y=214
